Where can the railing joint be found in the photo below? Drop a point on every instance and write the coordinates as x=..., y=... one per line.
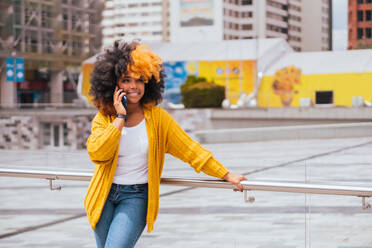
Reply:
x=365, y=205
x=51, y=187
x=249, y=199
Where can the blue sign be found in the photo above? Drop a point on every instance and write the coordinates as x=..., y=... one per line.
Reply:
x=15, y=69
x=20, y=69
x=9, y=69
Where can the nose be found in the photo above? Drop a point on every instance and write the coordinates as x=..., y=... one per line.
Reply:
x=132, y=84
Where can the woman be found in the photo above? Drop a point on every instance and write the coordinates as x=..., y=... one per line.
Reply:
x=128, y=145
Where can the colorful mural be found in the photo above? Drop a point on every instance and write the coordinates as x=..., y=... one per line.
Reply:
x=84, y=81
x=176, y=74
x=338, y=83
x=285, y=81
x=237, y=76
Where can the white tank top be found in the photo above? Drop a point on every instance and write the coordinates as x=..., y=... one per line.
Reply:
x=132, y=166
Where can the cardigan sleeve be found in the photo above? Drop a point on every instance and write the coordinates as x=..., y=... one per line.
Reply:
x=182, y=146
x=103, y=140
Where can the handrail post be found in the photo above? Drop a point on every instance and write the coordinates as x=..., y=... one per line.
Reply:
x=58, y=187
x=365, y=205
x=249, y=199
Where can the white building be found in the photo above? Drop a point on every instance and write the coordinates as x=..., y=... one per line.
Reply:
x=306, y=25
x=135, y=19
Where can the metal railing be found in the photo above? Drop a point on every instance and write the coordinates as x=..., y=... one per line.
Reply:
x=249, y=185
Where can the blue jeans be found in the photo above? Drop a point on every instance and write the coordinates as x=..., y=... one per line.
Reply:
x=123, y=217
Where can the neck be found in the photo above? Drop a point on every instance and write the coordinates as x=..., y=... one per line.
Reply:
x=133, y=108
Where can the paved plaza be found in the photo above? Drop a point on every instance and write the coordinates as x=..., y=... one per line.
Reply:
x=33, y=216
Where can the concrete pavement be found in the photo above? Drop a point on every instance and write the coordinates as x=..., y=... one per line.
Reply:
x=33, y=216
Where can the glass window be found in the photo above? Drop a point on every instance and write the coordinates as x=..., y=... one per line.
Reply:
x=56, y=135
x=65, y=135
x=368, y=15
x=360, y=15
x=360, y=33
x=246, y=2
x=368, y=33
x=247, y=27
x=46, y=134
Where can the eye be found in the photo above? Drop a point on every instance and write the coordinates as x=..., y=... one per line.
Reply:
x=125, y=80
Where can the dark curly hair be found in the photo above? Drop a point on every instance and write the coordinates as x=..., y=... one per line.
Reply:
x=109, y=68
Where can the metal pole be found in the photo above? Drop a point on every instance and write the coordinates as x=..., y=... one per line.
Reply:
x=273, y=186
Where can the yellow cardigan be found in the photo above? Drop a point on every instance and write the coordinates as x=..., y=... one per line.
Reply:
x=165, y=136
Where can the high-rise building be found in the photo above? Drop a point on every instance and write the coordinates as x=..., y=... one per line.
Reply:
x=316, y=25
x=359, y=23
x=53, y=37
x=135, y=19
x=306, y=25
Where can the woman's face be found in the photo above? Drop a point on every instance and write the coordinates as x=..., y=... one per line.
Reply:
x=134, y=88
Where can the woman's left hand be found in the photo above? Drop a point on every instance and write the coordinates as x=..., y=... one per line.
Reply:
x=235, y=179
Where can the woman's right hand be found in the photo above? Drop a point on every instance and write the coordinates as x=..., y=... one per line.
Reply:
x=118, y=105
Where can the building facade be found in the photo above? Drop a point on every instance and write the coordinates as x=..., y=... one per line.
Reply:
x=306, y=25
x=316, y=25
x=146, y=20
x=359, y=24
x=52, y=37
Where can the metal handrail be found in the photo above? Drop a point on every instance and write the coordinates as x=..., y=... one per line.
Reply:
x=274, y=186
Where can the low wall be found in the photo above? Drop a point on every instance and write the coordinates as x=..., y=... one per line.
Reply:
x=270, y=117
x=285, y=133
x=23, y=129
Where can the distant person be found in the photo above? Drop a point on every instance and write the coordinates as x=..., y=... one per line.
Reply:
x=128, y=145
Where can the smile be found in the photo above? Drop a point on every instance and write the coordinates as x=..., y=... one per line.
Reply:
x=133, y=94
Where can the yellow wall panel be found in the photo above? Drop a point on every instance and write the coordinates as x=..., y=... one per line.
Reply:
x=87, y=70
x=343, y=85
x=238, y=76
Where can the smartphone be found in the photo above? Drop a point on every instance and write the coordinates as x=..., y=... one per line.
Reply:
x=124, y=101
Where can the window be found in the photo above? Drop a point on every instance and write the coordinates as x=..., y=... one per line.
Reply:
x=246, y=14
x=276, y=29
x=360, y=1
x=55, y=135
x=324, y=97
x=246, y=2
x=368, y=33
x=360, y=34
x=247, y=27
x=368, y=15
x=360, y=15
